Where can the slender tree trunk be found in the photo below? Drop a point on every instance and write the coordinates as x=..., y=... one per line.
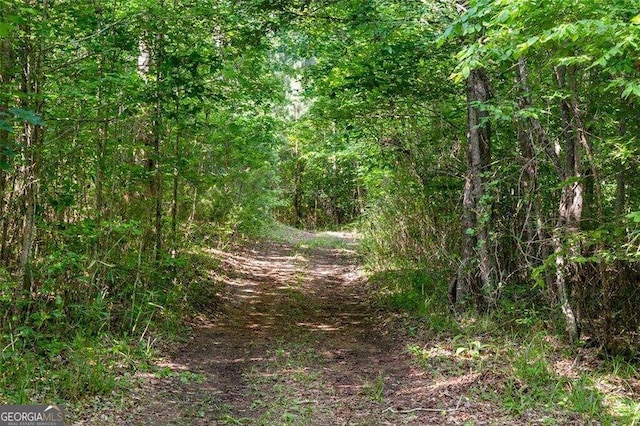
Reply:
x=477, y=268
x=176, y=181
x=8, y=73
x=157, y=138
x=6, y=78
x=608, y=273
x=360, y=197
x=297, y=183
x=103, y=134
x=465, y=283
x=531, y=137
x=6, y=220
x=149, y=55
x=570, y=209
x=621, y=178
x=157, y=179
x=32, y=79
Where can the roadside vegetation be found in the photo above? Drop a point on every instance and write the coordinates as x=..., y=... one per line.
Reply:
x=479, y=158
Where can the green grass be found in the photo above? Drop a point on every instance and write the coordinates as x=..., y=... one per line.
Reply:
x=417, y=292
x=532, y=372
x=525, y=384
x=374, y=391
x=534, y=385
x=533, y=375
x=277, y=387
x=301, y=239
x=79, y=346
x=85, y=367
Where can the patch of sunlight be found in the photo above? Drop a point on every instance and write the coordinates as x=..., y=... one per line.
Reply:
x=463, y=380
x=172, y=365
x=433, y=352
x=625, y=408
x=287, y=287
x=342, y=234
x=321, y=327
x=618, y=398
x=299, y=257
x=165, y=369
x=236, y=282
x=566, y=368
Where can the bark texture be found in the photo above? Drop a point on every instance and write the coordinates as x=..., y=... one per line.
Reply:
x=476, y=274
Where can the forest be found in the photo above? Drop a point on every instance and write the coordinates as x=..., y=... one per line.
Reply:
x=477, y=159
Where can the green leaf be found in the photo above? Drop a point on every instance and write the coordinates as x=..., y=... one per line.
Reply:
x=5, y=126
x=5, y=29
x=466, y=71
x=28, y=116
x=631, y=88
x=503, y=16
x=634, y=216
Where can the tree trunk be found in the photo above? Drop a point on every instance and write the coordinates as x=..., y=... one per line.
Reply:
x=465, y=284
x=151, y=54
x=297, y=185
x=157, y=177
x=6, y=221
x=531, y=137
x=477, y=268
x=176, y=180
x=570, y=208
x=32, y=80
x=6, y=78
x=621, y=178
x=103, y=134
x=157, y=137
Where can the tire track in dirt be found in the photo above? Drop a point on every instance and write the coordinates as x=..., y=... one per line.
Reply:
x=296, y=341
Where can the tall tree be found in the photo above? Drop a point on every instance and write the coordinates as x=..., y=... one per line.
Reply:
x=476, y=274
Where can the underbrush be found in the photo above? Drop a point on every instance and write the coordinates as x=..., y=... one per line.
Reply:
x=87, y=326
x=418, y=293
x=67, y=370
x=512, y=358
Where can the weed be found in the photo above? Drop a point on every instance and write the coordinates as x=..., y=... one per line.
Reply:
x=85, y=367
x=417, y=292
x=627, y=411
x=583, y=398
x=374, y=391
x=276, y=387
x=302, y=239
x=185, y=377
x=228, y=419
x=621, y=367
x=472, y=349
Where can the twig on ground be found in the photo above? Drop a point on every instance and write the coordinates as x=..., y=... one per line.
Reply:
x=431, y=410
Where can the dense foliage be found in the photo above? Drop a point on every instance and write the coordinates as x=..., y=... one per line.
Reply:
x=494, y=142
x=129, y=130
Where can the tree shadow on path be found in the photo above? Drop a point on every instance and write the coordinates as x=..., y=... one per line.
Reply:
x=296, y=340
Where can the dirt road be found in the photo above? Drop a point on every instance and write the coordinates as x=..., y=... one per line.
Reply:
x=294, y=339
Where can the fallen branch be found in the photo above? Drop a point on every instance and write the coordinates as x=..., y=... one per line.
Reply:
x=431, y=410
x=413, y=410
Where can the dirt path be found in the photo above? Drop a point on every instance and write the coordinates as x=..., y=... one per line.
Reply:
x=296, y=342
